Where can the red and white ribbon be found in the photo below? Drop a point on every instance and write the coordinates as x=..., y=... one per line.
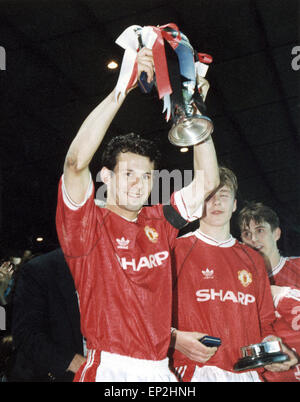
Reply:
x=152, y=38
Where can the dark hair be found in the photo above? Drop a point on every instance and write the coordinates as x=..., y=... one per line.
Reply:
x=129, y=143
x=259, y=213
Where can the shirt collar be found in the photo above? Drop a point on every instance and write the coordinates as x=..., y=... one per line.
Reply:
x=278, y=267
x=213, y=242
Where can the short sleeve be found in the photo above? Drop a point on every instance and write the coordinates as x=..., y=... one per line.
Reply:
x=76, y=223
x=183, y=209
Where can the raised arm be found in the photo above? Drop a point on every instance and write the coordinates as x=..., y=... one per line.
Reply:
x=206, y=176
x=91, y=134
x=84, y=146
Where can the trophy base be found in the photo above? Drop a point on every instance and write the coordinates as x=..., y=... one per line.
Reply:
x=190, y=131
x=248, y=363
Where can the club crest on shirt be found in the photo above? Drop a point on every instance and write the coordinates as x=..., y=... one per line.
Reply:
x=245, y=277
x=151, y=233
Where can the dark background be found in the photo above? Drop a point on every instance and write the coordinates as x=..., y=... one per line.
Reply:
x=56, y=56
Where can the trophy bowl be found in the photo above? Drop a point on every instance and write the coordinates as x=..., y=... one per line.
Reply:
x=259, y=355
x=190, y=131
x=179, y=78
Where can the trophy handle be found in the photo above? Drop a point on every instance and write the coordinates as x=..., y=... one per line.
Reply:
x=203, y=86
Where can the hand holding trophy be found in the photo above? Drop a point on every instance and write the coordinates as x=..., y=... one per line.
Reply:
x=179, y=78
x=261, y=354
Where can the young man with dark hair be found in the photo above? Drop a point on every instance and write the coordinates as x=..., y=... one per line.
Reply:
x=260, y=229
x=220, y=289
x=130, y=143
x=119, y=255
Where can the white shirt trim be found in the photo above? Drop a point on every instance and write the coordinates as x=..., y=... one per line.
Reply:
x=286, y=292
x=278, y=267
x=183, y=209
x=68, y=200
x=210, y=240
x=283, y=291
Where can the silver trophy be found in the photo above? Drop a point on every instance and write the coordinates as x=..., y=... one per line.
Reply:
x=260, y=354
x=186, y=69
x=190, y=127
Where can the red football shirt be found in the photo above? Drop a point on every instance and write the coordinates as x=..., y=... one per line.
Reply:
x=122, y=272
x=222, y=289
x=286, y=272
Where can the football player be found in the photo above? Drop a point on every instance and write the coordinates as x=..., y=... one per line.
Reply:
x=119, y=255
x=221, y=289
x=260, y=228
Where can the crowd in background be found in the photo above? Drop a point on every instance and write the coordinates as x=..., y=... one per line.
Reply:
x=10, y=266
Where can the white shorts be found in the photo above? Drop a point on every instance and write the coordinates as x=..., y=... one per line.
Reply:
x=117, y=368
x=215, y=374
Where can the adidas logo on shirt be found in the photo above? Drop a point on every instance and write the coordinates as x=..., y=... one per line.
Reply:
x=122, y=243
